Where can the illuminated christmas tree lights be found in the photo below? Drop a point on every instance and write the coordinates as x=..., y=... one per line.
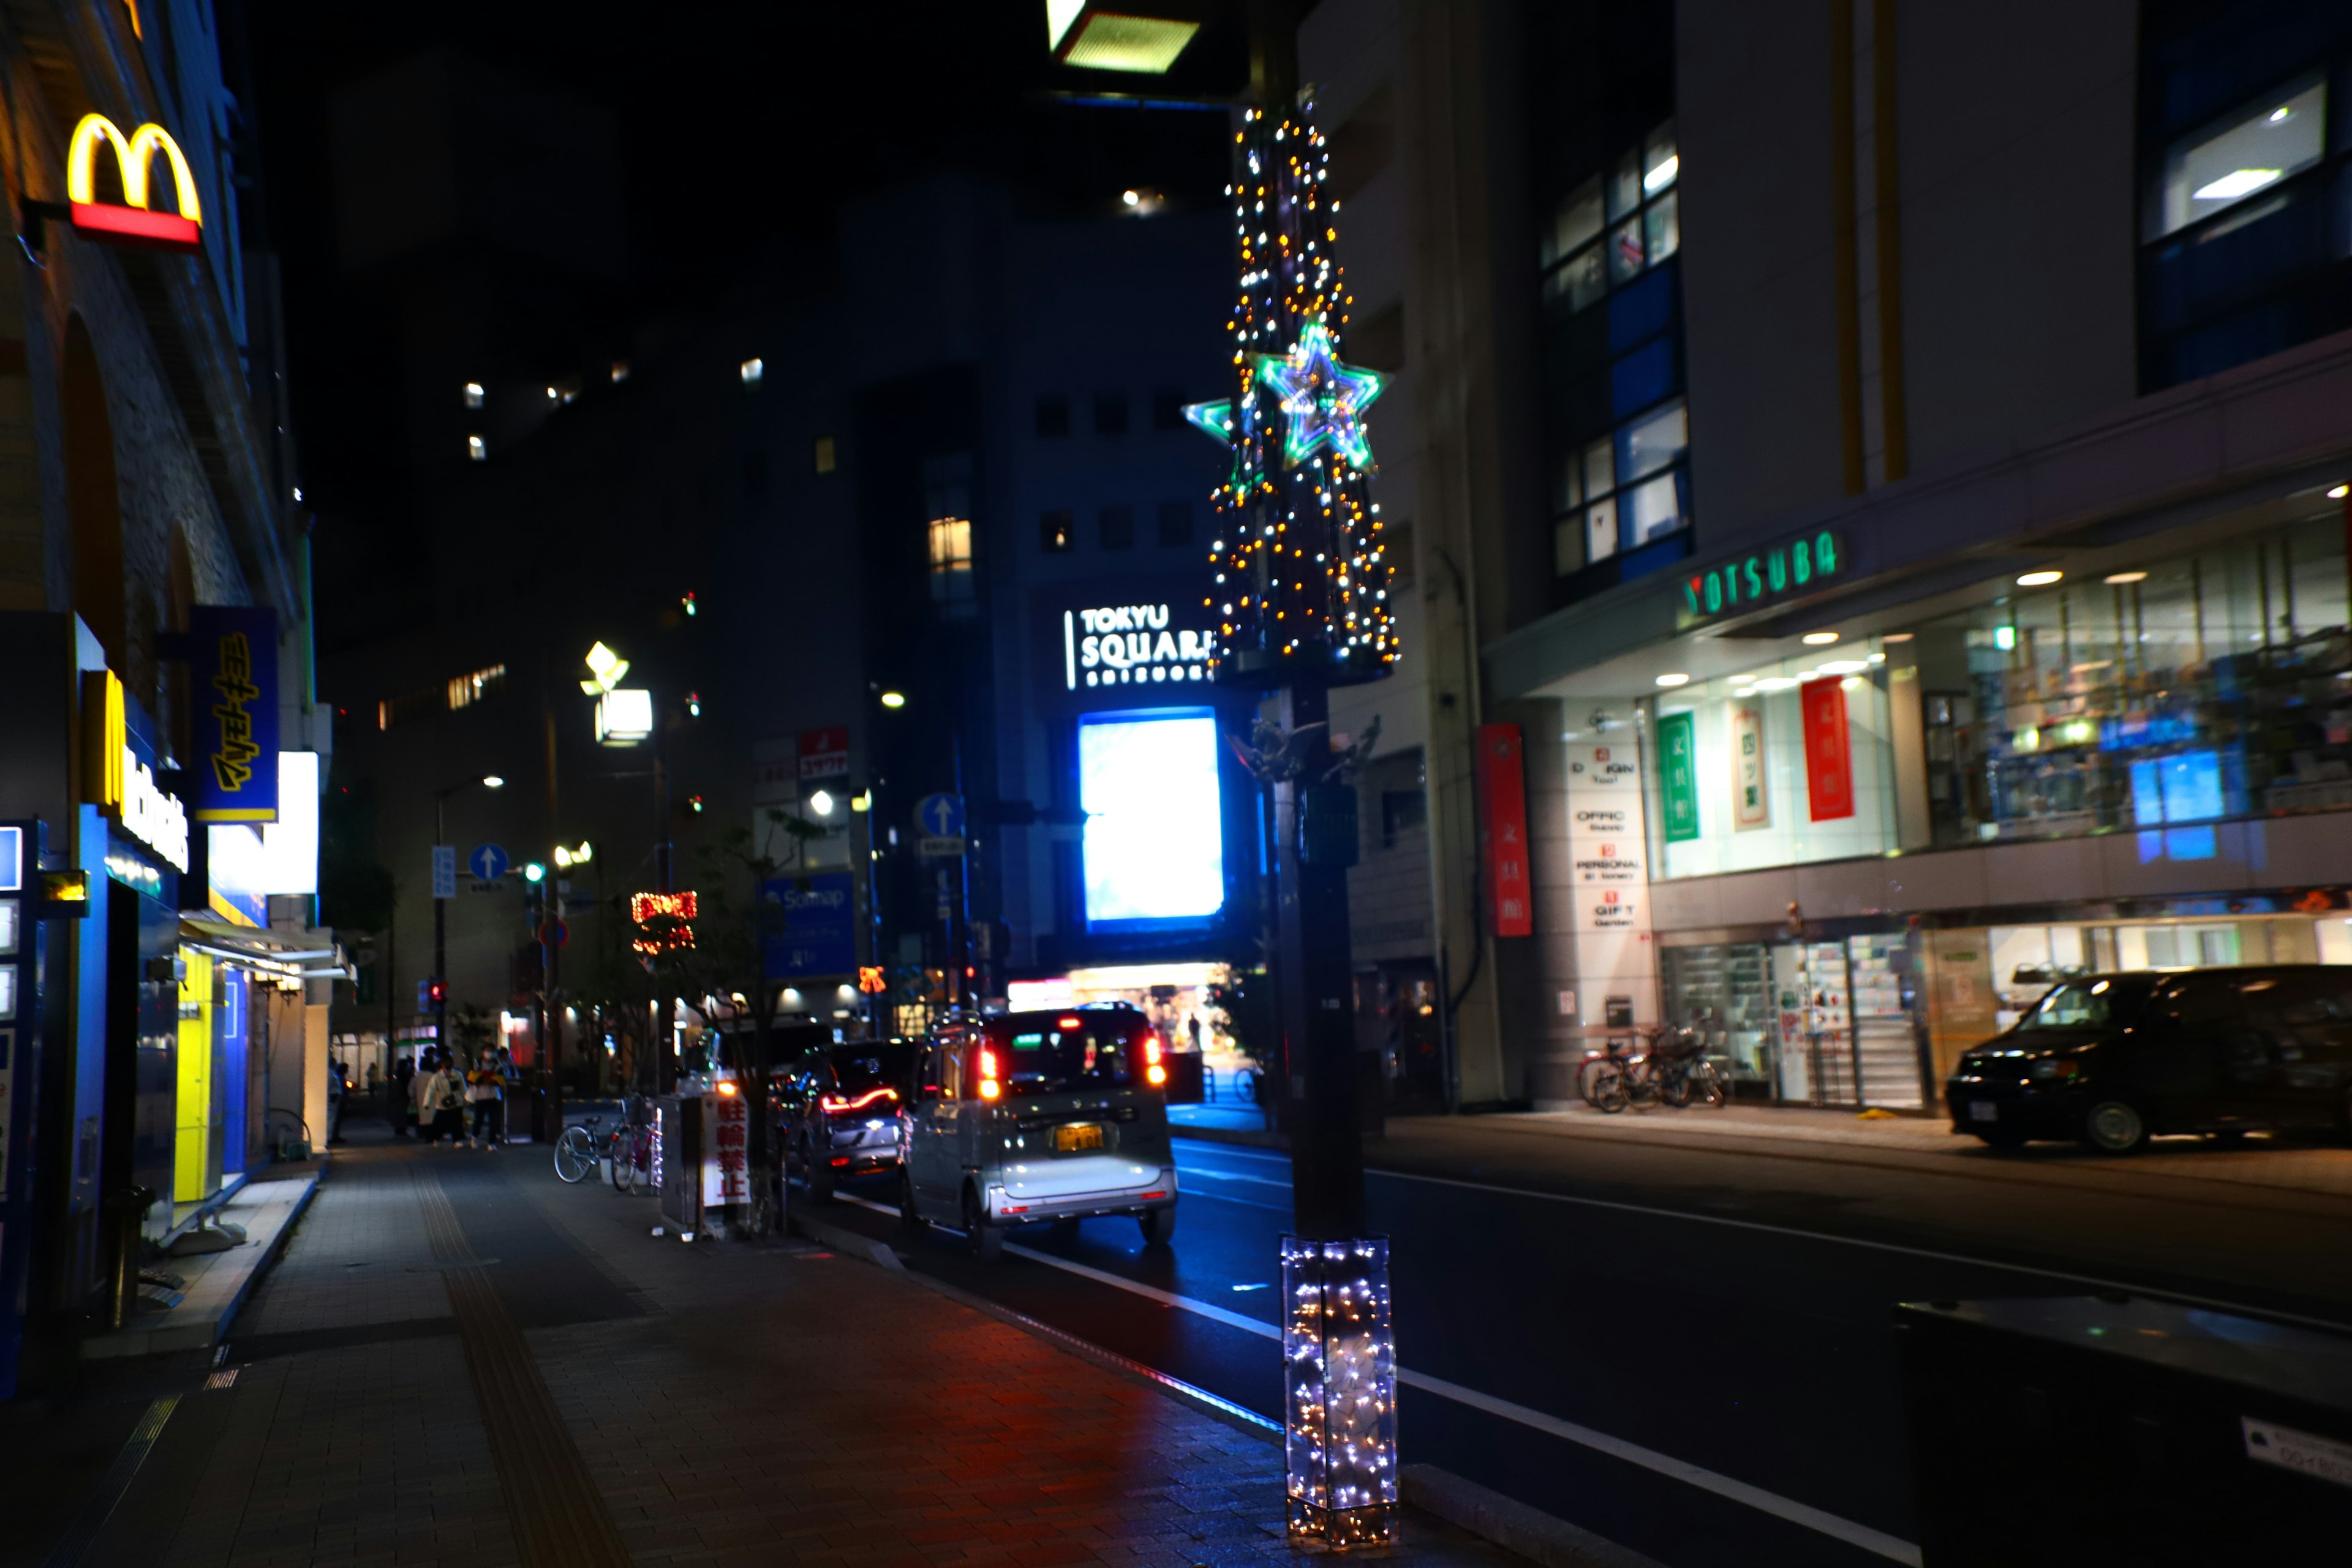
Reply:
x=1302, y=571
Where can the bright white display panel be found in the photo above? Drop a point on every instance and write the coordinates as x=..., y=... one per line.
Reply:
x=1154, y=839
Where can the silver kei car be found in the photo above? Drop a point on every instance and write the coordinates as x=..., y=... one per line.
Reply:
x=1030, y=1117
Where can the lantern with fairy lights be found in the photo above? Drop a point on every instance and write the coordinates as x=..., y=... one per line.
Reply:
x=1301, y=599
x=1301, y=586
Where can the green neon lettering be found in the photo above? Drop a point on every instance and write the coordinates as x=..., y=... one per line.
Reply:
x=1714, y=592
x=1825, y=552
x=1755, y=580
x=1775, y=570
x=1801, y=557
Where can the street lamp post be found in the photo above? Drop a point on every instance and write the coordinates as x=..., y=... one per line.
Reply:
x=441, y=907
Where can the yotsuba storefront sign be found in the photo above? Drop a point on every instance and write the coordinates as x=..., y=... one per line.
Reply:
x=132, y=220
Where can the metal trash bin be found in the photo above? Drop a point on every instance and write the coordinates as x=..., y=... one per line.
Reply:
x=2071, y=1430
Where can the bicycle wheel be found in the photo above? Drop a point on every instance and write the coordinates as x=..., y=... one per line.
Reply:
x=1712, y=1090
x=1611, y=1092
x=624, y=1166
x=1674, y=1089
x=575, y=1155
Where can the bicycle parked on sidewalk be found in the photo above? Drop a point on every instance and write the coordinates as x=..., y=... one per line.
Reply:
x=580, y=1152
x=1673, y=1071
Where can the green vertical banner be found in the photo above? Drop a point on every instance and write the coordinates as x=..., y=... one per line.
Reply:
x=1679, y=775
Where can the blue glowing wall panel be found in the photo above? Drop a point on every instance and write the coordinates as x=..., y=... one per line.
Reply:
x=1154, y=839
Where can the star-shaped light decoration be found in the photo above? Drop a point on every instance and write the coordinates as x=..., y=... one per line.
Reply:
x=1323, y=401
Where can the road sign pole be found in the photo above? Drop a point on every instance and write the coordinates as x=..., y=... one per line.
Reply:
x=441, y=846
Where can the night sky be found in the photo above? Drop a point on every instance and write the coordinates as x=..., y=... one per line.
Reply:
x=772, y=112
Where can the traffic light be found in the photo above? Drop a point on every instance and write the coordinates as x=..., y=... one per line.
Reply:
x=430, y=994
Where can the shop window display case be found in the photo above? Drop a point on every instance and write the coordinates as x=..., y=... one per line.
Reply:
x=1721, y=991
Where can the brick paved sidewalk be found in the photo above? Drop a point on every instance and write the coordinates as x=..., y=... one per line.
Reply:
x=461, y=1361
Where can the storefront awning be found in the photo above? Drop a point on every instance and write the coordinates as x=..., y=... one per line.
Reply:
x=264, y=949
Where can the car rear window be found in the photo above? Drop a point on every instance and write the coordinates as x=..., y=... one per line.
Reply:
x=1047, y=1053
x=874, y=1067
x=2090, y=1004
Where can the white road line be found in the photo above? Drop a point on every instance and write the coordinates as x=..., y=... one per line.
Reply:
x=1813, y=1518
x=2096, y=1281
x=1891, y=1547
x=1216, y=1175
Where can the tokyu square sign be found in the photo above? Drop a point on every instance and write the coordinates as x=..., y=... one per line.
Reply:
x=1776, y=572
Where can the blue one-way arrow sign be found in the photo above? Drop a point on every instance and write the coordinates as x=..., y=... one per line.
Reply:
x=940, y=815
x=489, y=861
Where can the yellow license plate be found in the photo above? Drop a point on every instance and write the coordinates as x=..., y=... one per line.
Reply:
x=1078, y=1135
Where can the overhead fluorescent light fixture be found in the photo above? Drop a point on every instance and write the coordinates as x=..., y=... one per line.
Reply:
x=1676, y=679
x=1819, y=639
x=2122, y=577
x=2037, y=579
x=2235, y=184
x=1096, y=37
x=1659, y=178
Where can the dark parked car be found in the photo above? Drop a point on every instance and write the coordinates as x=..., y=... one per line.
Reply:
x=840, y=1113
x=2113, y=1059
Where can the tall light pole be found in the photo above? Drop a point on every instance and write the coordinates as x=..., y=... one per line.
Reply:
x=441, y=906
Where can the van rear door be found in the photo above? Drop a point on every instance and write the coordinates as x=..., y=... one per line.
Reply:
x=1082, y=1118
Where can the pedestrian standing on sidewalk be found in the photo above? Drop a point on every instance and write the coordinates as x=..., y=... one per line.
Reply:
x=400, y=1109
x=424, y=1093
x=486, y=1089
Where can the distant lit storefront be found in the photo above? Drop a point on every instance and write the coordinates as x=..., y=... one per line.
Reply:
x=2175, y=717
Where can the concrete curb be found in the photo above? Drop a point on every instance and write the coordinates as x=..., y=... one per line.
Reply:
x=1510, y=1524
x=840, y=1240
x=163, y=1338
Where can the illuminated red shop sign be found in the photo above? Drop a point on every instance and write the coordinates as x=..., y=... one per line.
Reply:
x=661, y=920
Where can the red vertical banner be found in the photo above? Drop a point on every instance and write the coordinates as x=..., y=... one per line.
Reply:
x=1502, y=811
x=1829, y=753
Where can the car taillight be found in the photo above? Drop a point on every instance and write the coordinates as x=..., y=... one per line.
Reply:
x=1154, y=1073
x=1068, y=1023
x=989, y=1086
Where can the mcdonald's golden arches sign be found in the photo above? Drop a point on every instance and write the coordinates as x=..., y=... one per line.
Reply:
x=133, y=221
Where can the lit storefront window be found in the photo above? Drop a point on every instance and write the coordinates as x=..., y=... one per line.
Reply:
x=2158, y=700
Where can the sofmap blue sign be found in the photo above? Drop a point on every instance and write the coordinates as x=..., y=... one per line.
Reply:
x=817, y=933
x=233, y=654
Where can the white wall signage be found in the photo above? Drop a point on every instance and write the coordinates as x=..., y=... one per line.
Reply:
x=1608, y=838
x=1122, y=645
x=150, y=816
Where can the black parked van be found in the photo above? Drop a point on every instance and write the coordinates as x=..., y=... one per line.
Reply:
x=2113, y=1059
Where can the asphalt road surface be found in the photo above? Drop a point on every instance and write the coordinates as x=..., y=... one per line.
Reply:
x=1686, y=1350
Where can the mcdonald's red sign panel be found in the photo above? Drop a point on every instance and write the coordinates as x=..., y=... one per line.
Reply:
x=1829, y=752
x=1502, y=809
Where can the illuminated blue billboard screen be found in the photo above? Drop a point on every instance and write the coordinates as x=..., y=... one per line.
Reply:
x=1154, y=840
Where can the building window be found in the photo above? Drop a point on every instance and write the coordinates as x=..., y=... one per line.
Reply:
x=1615, y=226
x=1118, y=524
x=477, y=449
x=950, y=549
x=823, y=456
x=2259, y=145
x=1052, y=417
x=1612, y=294
x=1176, y=522
x=474, y=395
x=2245, y=218
x=1110, y=413
x=1056, y=533
x=753, y=371
x=1168, y=410
x=480, y=686
x=1623, y=490
x=409, y=706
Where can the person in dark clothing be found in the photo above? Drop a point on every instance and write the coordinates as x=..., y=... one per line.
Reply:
x=399, y=1110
